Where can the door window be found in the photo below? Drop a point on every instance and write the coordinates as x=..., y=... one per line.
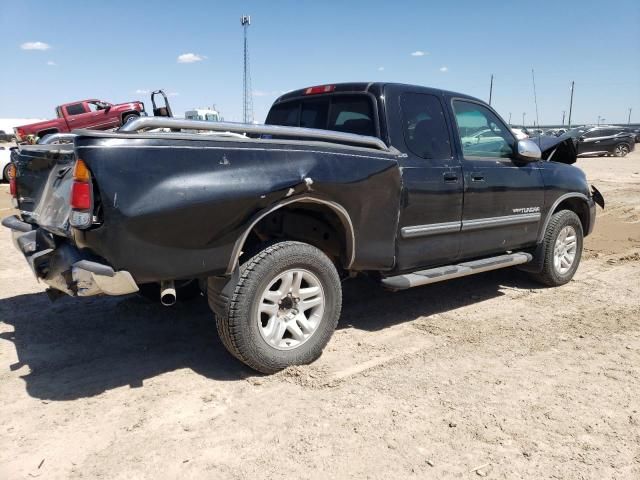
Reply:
x=352, y=114
x=424, y=126
x=75, y=109
x=593, y=134
x=482, y=133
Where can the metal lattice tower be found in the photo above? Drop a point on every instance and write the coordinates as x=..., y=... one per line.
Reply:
x=247, y=94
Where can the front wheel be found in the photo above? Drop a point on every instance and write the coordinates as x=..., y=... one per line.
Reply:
x=621, y=150
x=284, y=308
x=129, y=118
x=562, y=249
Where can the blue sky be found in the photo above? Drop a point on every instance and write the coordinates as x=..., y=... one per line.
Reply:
x=117, y=49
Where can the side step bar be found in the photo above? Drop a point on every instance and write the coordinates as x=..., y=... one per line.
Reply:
x=439, y=274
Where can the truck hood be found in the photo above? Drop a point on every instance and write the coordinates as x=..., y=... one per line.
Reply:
x=560, y=149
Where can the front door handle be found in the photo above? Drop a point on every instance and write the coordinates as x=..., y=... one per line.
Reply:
x=450, y=177
x=477, y=177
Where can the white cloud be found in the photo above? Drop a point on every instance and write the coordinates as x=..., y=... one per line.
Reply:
x=35, y=46
x=51, y=63
x=172, y=94
x=380, y=69
x=141, y=91
x=444, y=69
x=190, y=58
x=262, y=93
x=419, y=53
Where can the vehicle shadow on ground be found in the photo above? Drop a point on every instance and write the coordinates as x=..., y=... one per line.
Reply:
x=76, y=348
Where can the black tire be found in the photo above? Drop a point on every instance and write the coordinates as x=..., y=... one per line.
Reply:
x=550, y=274
x=5, y=172
x=239, y=322
x=185, y=290
x=129, y=117
x=621, y=150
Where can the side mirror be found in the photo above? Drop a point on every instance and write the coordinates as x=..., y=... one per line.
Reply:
x=528, y=150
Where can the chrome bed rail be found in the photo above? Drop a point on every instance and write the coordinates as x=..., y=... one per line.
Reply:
x=143, y=123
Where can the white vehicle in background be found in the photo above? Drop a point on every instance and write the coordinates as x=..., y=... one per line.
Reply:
x=5, y=160
x=204, y=114
x=520, y=133
x=485, y=135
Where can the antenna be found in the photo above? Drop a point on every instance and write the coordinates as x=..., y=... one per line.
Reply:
x=571, y=104
x=247, y=95
x=491, y=89
x=535, y=97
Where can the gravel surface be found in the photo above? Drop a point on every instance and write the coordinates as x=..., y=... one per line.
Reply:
x=490, y=376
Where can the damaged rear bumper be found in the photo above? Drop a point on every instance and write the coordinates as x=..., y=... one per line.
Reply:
x=64, y=267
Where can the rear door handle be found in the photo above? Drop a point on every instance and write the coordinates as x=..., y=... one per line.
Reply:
x=477, y=177
x=450, y=177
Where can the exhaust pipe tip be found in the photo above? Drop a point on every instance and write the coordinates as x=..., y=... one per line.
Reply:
x=167, y=293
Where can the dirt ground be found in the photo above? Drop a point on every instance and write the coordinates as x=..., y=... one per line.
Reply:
x=489, y=376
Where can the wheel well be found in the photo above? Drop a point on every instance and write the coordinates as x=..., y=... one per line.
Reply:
x=42, y=133
x=130, y=112
x=316, y=224
x=577, y=206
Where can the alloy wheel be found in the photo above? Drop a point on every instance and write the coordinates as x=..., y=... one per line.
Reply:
x=291, y=309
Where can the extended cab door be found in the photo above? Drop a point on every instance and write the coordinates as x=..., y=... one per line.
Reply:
x=503, y=197
x=431, y=204
x=77, y=115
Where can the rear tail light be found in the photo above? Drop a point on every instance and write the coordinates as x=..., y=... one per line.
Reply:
x=81, y=196
x=319, y=89
x=19, y=134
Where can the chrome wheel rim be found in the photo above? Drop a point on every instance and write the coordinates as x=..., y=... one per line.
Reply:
x=621, y=150
x=565, y=249
x=291, y=309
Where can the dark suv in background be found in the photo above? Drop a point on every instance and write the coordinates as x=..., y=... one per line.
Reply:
x=603, y=140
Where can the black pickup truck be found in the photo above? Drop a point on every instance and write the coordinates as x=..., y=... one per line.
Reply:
x=406, y=184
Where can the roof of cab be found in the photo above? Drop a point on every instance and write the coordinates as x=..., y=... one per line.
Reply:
x=358, y=87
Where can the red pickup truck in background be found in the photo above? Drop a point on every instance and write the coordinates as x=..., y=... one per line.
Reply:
x=95, y=114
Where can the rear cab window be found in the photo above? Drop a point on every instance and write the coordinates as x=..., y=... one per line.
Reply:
x=348, y=113
x=75, y=109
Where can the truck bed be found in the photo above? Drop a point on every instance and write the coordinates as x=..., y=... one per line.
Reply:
x=163, y=210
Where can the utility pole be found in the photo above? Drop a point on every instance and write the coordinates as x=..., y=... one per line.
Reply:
x=563, y=112
x=523, y=114
x=247, y=94
x=629, y=117
x=598, y=123
x=491, y=89
x=509, y=118
x=571, y=102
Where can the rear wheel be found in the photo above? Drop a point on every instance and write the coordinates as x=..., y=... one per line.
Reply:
x=621, y=150
x=284, y=308
x=562, y=249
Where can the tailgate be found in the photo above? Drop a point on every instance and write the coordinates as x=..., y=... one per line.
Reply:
x=44, y=177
